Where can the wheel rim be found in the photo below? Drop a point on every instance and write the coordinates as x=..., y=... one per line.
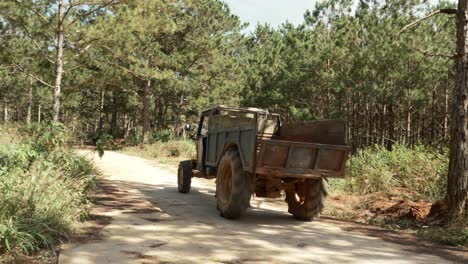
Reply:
x=225, y=184
x=299, y=194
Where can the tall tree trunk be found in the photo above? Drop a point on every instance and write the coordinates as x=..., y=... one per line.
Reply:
x=59, y=61
x=391, y=127
x=5, y=113
x=30, y=97
x=457, y=184
x=39, y=113
x=383, y=125
x=114, y=128
x=126, y=127
x=433, y=117
x=408, y=125
x=159, y=112
x=146, y=110
x=178, y=125
x=101, y=111
x=366, y=129
x=446, y=113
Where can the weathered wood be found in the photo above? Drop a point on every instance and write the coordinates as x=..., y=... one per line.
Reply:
x=324, y=132
x=301, y=159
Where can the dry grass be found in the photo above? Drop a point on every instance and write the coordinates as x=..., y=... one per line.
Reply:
x=164, y=152
x=8, y=134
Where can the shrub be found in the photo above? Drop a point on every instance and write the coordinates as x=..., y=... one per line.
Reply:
x=179, y=149
x=171, y=149
x=42, y=185
x=376, y=169
x=163, y=136
x=45, y=137
x=454, y=235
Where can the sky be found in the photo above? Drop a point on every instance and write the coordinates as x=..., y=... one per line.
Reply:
x=274, y=12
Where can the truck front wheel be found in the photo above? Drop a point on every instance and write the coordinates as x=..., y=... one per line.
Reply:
x=232, y=186
x=307, y=199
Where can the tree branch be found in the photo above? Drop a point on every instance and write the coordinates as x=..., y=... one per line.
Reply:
x=138, y=75
x=78, y=53
x=21, y=69
x=41, y=16
x=440, y=11
x=428, y=54
x=103, y=5
x=29, y=34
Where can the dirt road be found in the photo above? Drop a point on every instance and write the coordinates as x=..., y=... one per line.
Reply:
x=145, y=220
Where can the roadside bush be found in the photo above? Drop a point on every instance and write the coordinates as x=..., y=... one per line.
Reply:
x=376, y=169
x=42, y=185
x=171, y=149
x=163, y=136
x=179, y=149
x=45, y=137
x=454, y=235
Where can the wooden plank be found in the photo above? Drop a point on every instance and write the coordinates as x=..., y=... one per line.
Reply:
x=318, y=159
x=324, y=132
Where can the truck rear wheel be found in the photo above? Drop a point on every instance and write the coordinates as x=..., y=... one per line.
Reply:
x=184, y=176
x=232, y=186
x=307, y=200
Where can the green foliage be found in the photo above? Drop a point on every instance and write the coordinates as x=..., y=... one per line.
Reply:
x=348, y=61
x=163, y=136
x=104, y=141
x=42, y=185
x=171, y=149
x=452, y=235
x=375, y=169
x=45, y=137
x=301, y=114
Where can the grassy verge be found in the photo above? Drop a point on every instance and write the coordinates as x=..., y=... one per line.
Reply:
x=396, y=189
x=43, y=186
x=171, y=152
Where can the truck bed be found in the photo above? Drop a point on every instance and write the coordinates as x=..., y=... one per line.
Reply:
x=282, y=158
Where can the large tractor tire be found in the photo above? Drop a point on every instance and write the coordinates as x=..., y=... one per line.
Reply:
x=232, y=186
x=307, y=199
x=184, y=176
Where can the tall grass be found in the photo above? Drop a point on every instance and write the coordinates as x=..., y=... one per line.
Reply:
x=419, y=169
x=42, y=187
x=170, y=149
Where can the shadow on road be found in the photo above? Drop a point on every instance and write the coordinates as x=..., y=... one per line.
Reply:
x=187, y=227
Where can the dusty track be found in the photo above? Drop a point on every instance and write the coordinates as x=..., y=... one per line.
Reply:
x=145, y=220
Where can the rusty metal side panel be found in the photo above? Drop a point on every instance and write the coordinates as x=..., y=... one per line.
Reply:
x=274, y=155
x=300, y=159
x=244, y=138
x=247, y=143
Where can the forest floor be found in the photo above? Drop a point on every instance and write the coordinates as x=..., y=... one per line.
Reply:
x=141, y=218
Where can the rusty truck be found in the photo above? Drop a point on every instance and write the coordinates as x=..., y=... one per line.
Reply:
x=249, y=151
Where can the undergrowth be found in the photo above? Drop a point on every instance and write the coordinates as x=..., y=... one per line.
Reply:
x=415, y=174
x=42, y=185
x=419, y=170
x=454, y=235
x=164, y=150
